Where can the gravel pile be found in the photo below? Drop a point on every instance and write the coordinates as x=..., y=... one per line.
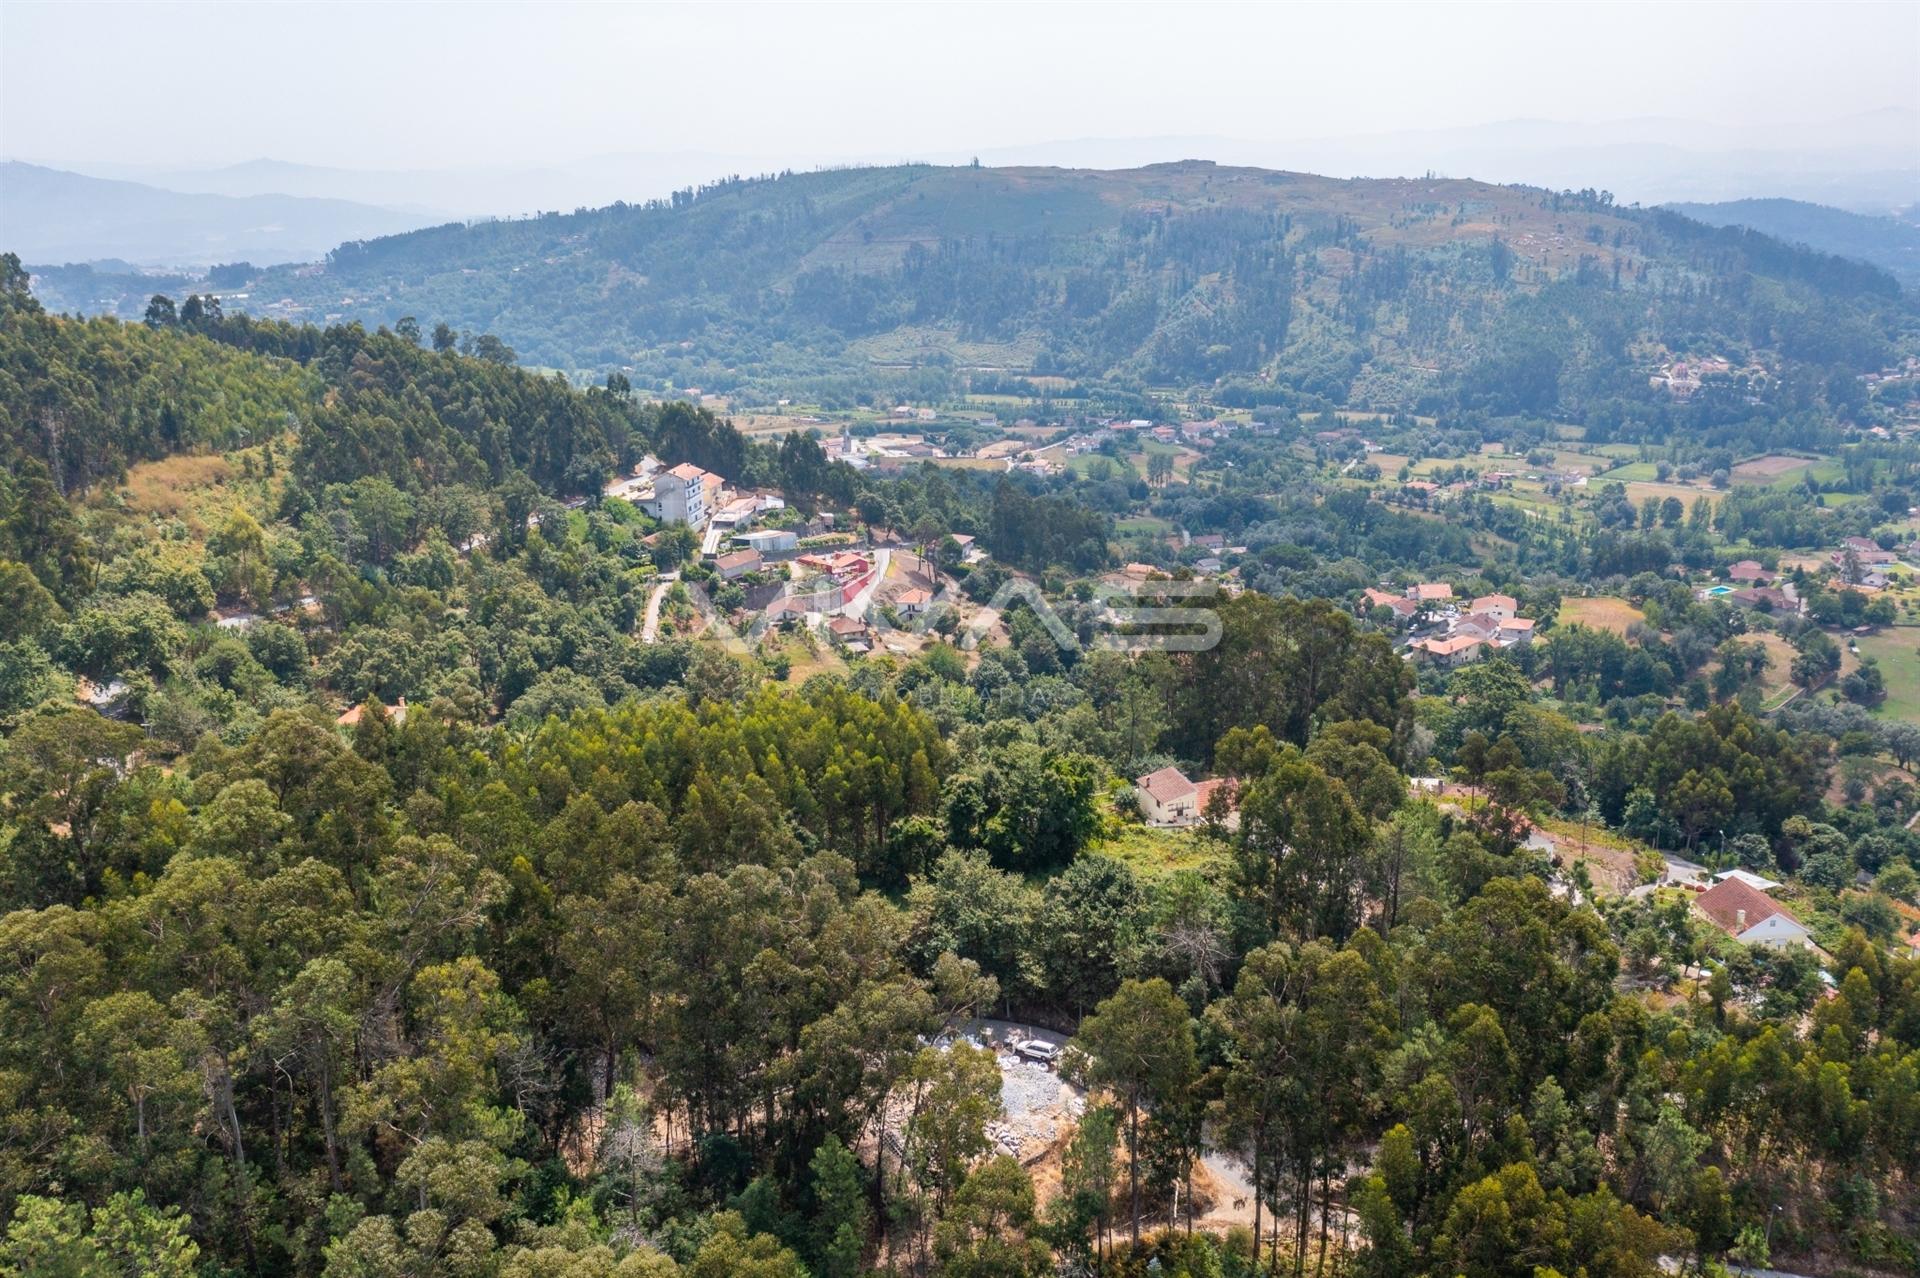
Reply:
x=1036, y=1100
x=1026, y=1088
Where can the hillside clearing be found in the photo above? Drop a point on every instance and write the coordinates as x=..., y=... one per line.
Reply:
x=1898, y=652
x=1601, y=612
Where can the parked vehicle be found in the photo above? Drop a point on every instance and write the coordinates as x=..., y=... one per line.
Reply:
x=1035, y=1049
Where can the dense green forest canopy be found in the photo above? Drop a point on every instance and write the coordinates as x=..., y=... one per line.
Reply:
x=564, y=954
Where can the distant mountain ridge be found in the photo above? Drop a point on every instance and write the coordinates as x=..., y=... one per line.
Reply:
x=1265, y=284
x=53, y=216
x=1869, y=162
x=1886, y=242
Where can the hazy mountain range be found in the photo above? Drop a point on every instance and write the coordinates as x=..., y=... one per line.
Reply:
x=1865, y=163
x=1892, y=244
x=47, y=215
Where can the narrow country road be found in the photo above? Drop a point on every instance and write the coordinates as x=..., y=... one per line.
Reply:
x=650, y=626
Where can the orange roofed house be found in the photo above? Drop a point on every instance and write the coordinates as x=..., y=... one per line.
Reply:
x=351, y=716
x=841, y=565
x=1750, y=916
x=1499, y=607
x=1399, y=605
x=1455, y=650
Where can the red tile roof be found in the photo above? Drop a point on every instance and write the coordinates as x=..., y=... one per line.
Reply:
x=1166, y=785
x=351, y=716
x=1203, y=791
x=1447, y=647
x=1725, y=900
x=1381, y=599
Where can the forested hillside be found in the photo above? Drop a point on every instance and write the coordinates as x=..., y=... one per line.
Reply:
x=376, y=900
x=1889, y=243
x=1412, y=293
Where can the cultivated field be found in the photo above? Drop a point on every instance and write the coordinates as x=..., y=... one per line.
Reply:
x=969, y=463
x=1639, y=492
x=763, y=424
x=1765, y=470
x=1630, y=472
x=1080, y=463
x=1602, y=612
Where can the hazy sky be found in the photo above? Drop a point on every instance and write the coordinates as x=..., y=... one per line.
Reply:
x=407, y=85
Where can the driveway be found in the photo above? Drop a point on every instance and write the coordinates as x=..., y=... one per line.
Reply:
x=1686, y=874
x=650, y=624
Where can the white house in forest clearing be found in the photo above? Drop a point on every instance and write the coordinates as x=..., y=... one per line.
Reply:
x=1167, y=797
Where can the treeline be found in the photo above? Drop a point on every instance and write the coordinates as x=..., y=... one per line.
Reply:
x=82, y=400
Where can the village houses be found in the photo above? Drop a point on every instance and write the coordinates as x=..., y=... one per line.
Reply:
x=1462, y=633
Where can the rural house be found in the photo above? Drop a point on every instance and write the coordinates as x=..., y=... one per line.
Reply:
x=737, y=563
x=1456, y=650
x=682, y=494
x=1750, y=916
x=1167, y=797
x=1400, y=606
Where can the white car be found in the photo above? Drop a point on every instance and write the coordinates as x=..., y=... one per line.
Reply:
x=1035, y=1049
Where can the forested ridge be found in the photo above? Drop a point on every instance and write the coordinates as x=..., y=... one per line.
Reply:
x=1886, y=242
x=1419, y=294
x=572, y=955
